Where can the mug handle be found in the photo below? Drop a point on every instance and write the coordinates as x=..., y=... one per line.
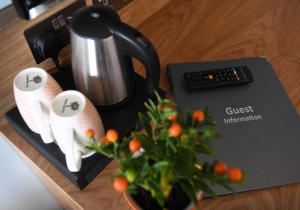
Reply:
x=42, y=122
x=72, y=151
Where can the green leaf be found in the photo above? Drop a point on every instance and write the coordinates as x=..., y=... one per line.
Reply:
x=226, y=186
x=163, y=134
x=154, y=120
x=116, y=147
x=104, y=149
x=204, y=148
x=148, y=107
x=167, y=112
x=161, y=165
x=145, y=173
x=152, y=104
x=156, y=192
x=145, y=124
x=171, y=145
x=166, y=101
x=208, y=134
x=184, y=163
x=132, y=189
x=159, y=99
x=206, y=188
x=210, y=122
x=189, y=118
x=206, y=109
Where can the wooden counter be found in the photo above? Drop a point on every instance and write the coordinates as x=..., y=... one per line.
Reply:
x=181, y=31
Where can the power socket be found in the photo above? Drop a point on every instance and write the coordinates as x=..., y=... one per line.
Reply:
x=54, y=28
x=114, y=4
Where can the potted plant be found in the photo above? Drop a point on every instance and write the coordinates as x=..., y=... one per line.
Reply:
x=159, y=166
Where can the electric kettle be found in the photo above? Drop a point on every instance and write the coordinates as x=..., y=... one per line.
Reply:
x=102, y=48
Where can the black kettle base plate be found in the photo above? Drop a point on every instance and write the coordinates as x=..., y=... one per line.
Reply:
x=123, y=118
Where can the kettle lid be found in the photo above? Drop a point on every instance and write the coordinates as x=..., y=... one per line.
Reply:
x=90, y=22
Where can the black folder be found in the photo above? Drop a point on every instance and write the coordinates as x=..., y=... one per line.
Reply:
x=259, y=125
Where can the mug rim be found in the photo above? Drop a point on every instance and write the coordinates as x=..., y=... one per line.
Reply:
x=44, y=72
x=63, y=93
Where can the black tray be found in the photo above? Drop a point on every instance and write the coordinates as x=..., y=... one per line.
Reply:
x=123, y=119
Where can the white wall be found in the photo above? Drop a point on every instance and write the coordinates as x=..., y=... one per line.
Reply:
x=4, y=3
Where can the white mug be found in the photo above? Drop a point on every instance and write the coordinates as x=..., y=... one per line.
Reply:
x=71, y=115
x=34, y=90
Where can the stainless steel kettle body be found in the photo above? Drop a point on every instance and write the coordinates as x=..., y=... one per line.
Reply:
x=99, y=71
x=102, y=47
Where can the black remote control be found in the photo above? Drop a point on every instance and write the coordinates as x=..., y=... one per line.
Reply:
x=217, y=77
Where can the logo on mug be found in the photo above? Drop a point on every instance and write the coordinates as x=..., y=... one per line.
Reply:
x=36, y=79
x=73, y=105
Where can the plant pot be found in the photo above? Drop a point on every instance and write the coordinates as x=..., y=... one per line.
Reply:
x=144, y=201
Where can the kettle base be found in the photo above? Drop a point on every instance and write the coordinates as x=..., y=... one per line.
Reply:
x=113, y=106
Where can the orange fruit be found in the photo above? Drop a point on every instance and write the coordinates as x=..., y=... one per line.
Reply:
x=172, y=118
x=220, y=168
x=198, y=115
x=235, y=174
x=105, y=139
x=134, y=145
x=120, y=184
x=174, y=130
x=112, y=135
x=90, y=133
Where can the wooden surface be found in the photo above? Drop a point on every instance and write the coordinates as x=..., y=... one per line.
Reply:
x=182, y=31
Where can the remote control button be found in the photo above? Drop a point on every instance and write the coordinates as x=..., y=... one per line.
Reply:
x=217, y=77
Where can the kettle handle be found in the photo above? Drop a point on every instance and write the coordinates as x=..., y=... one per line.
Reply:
x=134, y=44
